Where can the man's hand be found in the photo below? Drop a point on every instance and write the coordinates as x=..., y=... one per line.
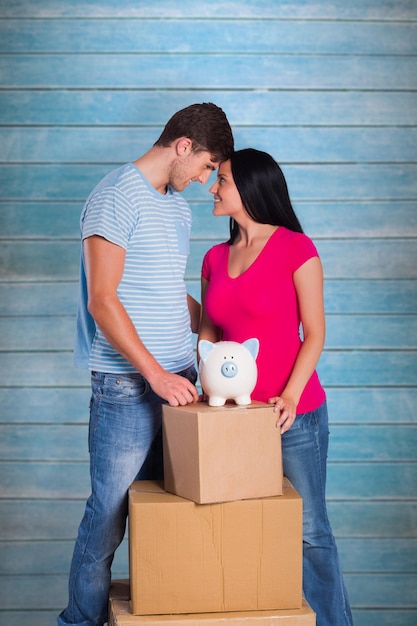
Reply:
x=176, y=390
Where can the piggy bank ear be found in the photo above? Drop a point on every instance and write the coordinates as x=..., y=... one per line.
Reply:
x=204, y=348
x=253, y=346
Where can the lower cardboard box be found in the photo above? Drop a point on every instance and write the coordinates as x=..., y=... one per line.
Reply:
x=120, y=614
x=186, y=557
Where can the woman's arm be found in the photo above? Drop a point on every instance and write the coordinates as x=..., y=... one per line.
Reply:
x=308, y=280
x=195, y=313
x=208, y=330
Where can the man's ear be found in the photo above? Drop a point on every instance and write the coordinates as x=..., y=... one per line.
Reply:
x=183, y=146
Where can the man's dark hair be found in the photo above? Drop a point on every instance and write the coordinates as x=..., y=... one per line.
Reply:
x=206, y=125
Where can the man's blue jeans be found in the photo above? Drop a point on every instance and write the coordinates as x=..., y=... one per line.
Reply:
x=125, y=421
x=304, y=451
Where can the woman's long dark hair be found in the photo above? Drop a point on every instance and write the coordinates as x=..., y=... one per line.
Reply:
x=263, y=191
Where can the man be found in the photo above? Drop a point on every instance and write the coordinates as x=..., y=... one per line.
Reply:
x=134, y=329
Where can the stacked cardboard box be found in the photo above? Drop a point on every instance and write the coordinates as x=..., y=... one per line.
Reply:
x=221, y=540
x=120, y=614
x=234, y=556
x=214, y=454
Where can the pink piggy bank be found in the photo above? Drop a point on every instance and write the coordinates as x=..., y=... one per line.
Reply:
x=228, y=370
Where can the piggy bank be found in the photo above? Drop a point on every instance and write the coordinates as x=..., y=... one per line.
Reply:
x=228, y=370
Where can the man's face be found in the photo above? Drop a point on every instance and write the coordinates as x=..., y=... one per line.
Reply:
x=191, y=167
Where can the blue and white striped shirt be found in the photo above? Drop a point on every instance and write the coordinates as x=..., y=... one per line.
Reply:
x=154, y=229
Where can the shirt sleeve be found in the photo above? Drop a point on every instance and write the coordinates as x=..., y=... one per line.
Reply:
x=110, y=215
x=301, y=250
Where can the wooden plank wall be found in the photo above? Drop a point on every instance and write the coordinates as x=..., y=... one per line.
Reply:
x=329, y=88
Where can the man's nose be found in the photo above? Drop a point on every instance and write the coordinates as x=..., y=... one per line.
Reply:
x=203, y=178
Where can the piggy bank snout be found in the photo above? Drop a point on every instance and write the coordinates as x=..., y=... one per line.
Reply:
x=229, y=369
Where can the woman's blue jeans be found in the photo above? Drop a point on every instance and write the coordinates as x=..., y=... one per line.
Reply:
x=304, y=451
x=125, y=422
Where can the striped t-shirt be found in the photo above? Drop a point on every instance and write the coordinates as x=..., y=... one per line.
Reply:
x=154, y=229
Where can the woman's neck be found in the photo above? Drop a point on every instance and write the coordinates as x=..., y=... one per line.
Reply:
x=254, y=234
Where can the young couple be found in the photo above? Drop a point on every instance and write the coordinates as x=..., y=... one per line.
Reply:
x=134, y=333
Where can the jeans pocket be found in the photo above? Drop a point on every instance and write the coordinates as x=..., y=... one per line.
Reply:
x=300, y=432
x=123, y=388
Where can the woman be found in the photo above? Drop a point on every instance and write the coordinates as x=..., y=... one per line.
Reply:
x=265, y=282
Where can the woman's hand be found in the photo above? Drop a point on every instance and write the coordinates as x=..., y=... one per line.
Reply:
x=308, y=281
x=286, y=407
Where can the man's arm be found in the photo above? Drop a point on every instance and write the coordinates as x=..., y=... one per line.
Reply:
x=104, y=264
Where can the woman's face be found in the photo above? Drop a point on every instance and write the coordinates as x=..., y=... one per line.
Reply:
x=227, y=199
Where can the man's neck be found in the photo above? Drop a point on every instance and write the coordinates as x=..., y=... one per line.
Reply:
x=154, y=166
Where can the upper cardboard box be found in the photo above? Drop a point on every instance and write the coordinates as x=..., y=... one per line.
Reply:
x=221, y=454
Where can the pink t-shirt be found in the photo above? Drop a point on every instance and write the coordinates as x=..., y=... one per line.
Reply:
x=262, y=303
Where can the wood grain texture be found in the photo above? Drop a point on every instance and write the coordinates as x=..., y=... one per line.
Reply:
x=338, y=219
x=292, y=9
x=313, y=182
x=166, y=71
x=329, y=89
x=223, y=36
x=273, y=107
x=302, y=145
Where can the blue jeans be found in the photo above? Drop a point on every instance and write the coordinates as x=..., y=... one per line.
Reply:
x=125, y=425
x=304, y=451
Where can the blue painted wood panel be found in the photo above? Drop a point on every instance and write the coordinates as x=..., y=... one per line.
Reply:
x=364, y=555
x=337, y=368
x=61, y=405
x=385, y=590
x=401, y=617
x=57, y=519
x=343, y=296
x=337, y=219
x=329, y=88
x=330, y=182
x=51, y=260
x=346, y=480
x=296, y=9
x=304, y=145
x=50, y=442
x=32, y=558
x=223, y=36
x=267, y=107
x=343, y=332
x=159, y=71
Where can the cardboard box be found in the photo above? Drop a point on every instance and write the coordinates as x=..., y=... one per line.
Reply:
x=221, y=454
x=185, y=557
x=121, y=615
